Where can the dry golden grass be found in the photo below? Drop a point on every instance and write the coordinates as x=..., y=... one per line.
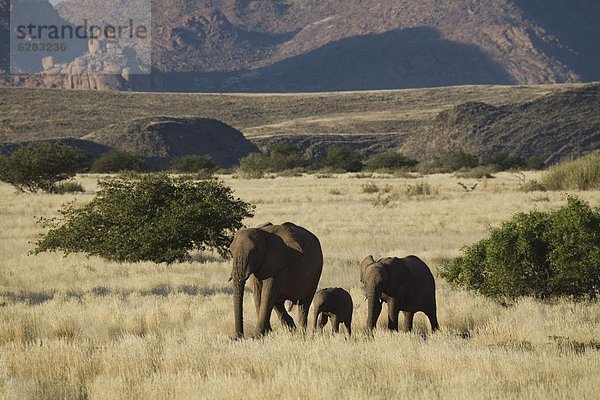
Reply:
x=78, y=328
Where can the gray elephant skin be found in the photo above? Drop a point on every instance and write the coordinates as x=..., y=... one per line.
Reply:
x=333, y=304
x=405, y=284
x=283, y=262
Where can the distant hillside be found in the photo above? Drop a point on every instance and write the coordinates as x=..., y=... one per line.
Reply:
x=555, y=127
x=161, y=139
x=553, y=121
x=299, y=45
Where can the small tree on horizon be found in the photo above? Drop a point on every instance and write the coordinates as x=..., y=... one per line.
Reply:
x=39, y=167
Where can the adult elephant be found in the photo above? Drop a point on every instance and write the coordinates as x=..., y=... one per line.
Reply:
x=405, y=284
x=284, y=262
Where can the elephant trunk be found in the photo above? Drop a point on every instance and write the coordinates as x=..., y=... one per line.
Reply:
x=238, y=307
x=239, y=276
x=374, y=307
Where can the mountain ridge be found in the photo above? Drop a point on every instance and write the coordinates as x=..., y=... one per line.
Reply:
x=284, y=45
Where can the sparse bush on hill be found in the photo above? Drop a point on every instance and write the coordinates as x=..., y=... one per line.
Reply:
x=539, y=254
x=580, y=174
x=342, y=159
x=118, y=161
x=389, y=161
x=148, y=218
x=193, y=164
x=39, y=167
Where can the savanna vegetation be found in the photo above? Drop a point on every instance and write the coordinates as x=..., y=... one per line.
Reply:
x=89, y=328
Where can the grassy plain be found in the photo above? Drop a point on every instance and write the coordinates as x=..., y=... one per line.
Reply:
x=79, y=328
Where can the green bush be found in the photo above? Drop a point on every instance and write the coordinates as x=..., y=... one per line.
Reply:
x=118, y=161
x=342, y=158
x=253, y=166
x=148, y=218
x=450, y=161
x=193, y=164
x=41, y=166
x=284, y=156
x=389, y=161
x=535, y=164
x=580, y=174
x=505, y=162
x=539, y=254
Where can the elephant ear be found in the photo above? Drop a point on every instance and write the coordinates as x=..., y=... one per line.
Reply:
x=279, y=256
x=399, y=278
x=363, y=267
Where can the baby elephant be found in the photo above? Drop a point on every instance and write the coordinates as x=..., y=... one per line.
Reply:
x=334, y=303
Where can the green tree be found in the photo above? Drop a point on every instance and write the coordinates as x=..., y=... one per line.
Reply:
x=538, y=254
x=118, y=161
x=41, y=166
x=454, y=160
x=343, y=159
x=505, y=161
x=284, y=156
x=193, y=164
x=390, y=160
x=151, y=217
x=254, y=166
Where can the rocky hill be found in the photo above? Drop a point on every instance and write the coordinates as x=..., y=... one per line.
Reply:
x=554, y=127
x=159, y=140
x=300, y=45
x=552, y=121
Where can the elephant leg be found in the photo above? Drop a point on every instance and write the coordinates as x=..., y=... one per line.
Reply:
x=284, y=317
x=256, y=293
x=303, y=308
x=348, y=325
x=408, y=320
x=433, y=321
x=323, y=318
x=393, y=311
x=268, y=295
x=335, y=324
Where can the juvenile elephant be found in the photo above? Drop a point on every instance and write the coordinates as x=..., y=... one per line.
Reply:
x=405, y=284
x=285, y=263
x=334, y=303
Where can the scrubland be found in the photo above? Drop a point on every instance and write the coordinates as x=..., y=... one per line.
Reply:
x=84, y=328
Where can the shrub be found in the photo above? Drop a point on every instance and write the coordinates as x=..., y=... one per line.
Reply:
x=284, y=156
x=535, y=164
x=389, y=161
x=193, y=164
x=370, y=187
x=480, y=172
x=449, y=161
x=342, y=159
x=580, y=174
x=538, y=254
x=505, y=161
x=41, y=166
x=118, y=161
x=253, y=166
x=147, y=218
